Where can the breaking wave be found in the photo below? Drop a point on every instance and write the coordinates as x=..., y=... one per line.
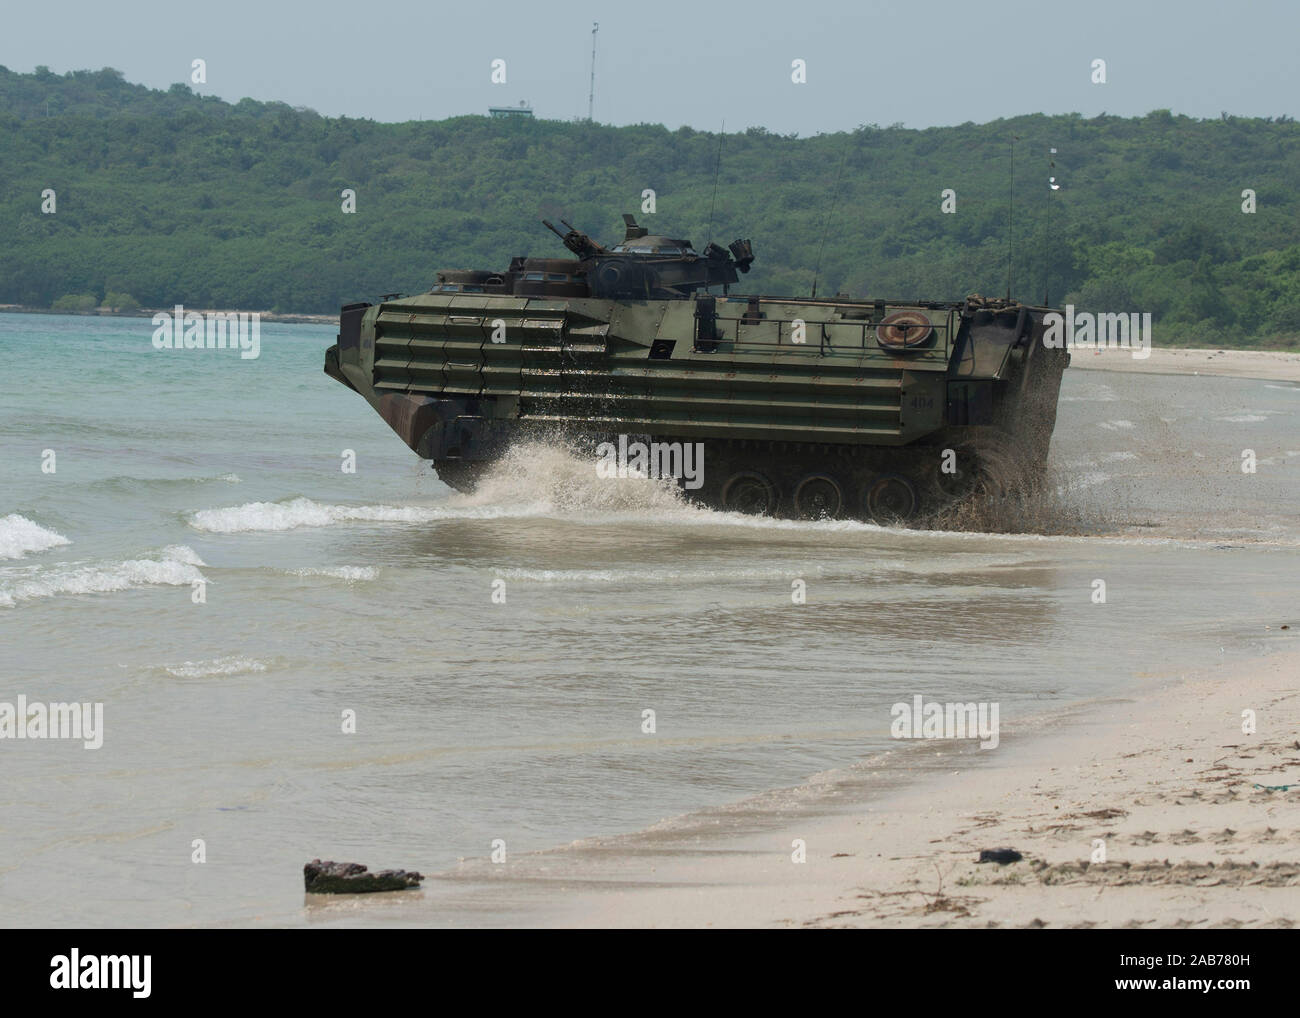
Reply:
x=271, y=517
x=19, y=535
x=176, y=566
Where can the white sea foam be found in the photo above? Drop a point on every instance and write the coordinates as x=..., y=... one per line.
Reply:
x=19, y=535
x=215, y=666
x=269, y=517
x=349, y=573
x=1116, y=425
x=176, y=566
x=1242, y=418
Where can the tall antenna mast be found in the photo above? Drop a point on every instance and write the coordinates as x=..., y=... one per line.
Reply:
x=830, y=210
x=717, y=168
x=591, y=96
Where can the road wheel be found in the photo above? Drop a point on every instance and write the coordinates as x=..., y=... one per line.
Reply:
x=749, y=492
x=818, y=497
x=890, y=498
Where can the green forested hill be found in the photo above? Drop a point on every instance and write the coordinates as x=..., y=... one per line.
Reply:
x=172, y=197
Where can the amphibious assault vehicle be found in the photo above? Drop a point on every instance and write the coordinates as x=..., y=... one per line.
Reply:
x=808, y=407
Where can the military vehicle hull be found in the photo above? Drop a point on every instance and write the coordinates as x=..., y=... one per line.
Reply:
x=843, y=408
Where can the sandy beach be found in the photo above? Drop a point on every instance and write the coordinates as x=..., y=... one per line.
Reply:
x=1274, y=365
x=1199, y=823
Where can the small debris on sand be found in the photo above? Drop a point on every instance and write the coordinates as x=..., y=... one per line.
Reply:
x=353, y=878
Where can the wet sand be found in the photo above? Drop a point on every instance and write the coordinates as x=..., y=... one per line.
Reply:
x=1167, y=781
x=1273, y=365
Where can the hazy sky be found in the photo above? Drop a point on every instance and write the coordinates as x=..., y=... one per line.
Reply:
x=698, y=63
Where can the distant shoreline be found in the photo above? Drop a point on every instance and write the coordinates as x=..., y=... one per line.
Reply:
x=1269, y=364
x=267, y=316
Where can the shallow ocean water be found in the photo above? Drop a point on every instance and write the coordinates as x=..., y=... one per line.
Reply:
x=329, y=592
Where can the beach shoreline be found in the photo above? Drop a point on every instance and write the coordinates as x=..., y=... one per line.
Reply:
x=1270, y=365
x=1198, y=822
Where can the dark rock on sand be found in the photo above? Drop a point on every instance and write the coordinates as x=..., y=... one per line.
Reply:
x=1001, y=856
x=353, y=878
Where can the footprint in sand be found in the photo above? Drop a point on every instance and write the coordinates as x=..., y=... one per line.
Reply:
x=1110, y=813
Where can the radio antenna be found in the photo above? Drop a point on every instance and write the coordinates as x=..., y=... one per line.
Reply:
x=830, y=211
x=717, y=168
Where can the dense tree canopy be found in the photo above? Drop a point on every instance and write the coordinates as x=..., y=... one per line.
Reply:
x=169, y=197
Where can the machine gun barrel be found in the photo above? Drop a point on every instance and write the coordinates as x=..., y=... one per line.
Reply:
x=576, y=241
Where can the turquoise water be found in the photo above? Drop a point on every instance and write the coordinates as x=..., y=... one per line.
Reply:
x=371, y=592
